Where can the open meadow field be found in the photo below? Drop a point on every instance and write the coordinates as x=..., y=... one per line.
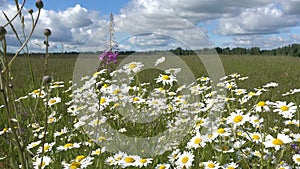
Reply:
x=258, y=126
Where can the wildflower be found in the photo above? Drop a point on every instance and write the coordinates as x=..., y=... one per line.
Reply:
x=262, y=106
x=231, y=165
x=163, y=166
x=240, y=91
x=296, y=159
x=211, y=164
x=143, y=162
x=173, y=71
x=68, y=146
x=271, y=84
x=54, y=101
x=174, y=156
x=255, y=137
x=129, y=160
x=166, y=79
x=41, y=162
x=61, y=132
x=133, y=67
x=98, y=151
x=256, y=121
x=196, y=141
x=109, y=56
x=38, y=93
x=237, y=118
x=57, y=85
x=278, y=142
x=47, y=147
x=185, y=160
x=79, y=162
x=159, y=61
x=284, y=109
x=33, y=144
x=39, y=4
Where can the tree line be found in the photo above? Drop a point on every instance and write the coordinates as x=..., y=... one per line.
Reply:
x=290, y=50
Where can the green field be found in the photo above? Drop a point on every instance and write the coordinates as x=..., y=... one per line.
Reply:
x=32, y=119
x=260, y=70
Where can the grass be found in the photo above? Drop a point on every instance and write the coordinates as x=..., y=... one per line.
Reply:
x=259, y=69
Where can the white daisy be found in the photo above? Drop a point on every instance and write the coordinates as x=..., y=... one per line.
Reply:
x=278, y=142
x=159, y=61
x=166, y=79
x=185, y=160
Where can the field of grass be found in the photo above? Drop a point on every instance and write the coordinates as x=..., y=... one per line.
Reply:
x=258, y=128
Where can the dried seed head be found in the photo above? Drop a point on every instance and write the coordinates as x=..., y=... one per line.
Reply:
x=47, y=32
x=30, y=11
x=39, y=4
x=47, y=79
x=2, y=31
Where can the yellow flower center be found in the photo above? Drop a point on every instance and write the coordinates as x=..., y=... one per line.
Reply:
x=46, y=147
x=255, y=137
x=132, y=66
x=79, y=158
x=117, y=91
x=211, y=165
x=136, y=99
x=277, y=142
x=105, y=85
x=4, y=130
x=101, y=138
x=166, y=77
x=129, y=160
x=230, y=167
x=42, y=164
x=75, y=165
x=102, y=100
x=298, y=159
x=261, y=103
x=185, y=159
x=68, y=145
x=284, y=108
x=143, y=160
x=221, y=130
x=238, y=118
x=52, y=101
x=162, y=167
x=197, y=140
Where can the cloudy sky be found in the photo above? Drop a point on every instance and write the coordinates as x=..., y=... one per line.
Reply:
x=161, y=24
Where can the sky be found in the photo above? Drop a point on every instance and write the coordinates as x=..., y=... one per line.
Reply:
x=82, y=25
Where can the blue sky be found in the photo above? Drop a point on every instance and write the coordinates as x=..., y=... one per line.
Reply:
x=82, y=24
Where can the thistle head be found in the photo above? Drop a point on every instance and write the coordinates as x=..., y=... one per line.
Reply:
x=39, y=4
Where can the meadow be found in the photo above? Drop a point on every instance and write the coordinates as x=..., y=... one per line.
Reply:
x=258, y=128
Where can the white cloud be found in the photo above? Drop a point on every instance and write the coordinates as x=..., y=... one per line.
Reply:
x=264, y=42
x=290, y=6
x=266, y=20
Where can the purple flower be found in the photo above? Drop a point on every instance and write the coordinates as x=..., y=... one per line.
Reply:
x=109, y=56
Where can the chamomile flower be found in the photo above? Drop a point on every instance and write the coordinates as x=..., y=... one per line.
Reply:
x=278, y=142
x=68, y=146
x=254, y=137
x=296, y=159
x=47, y=147
x=231, y=165
x=166, y=79
x=159, y=61
x=61, y=132
x=5, y=130
x=129, y=160
x=163, y=166
x=144, y=162
x=196, y=141
x=98, y=151
x=173, y=71
x=211, y=165
x=41, y=162
x=270, y=85
x=185, y=160
x=79, y=162
x=262, y=106
x=33, y=144
x=174, y=156
x=38, y=93
x=284, y=109
x=237, y=118
x=133, y=67
x=54, y=101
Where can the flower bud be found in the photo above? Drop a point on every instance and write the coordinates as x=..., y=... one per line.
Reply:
x=30, y=11
x=2, y=31
x=47, y=32
x=47, y=79
x=39, y=4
